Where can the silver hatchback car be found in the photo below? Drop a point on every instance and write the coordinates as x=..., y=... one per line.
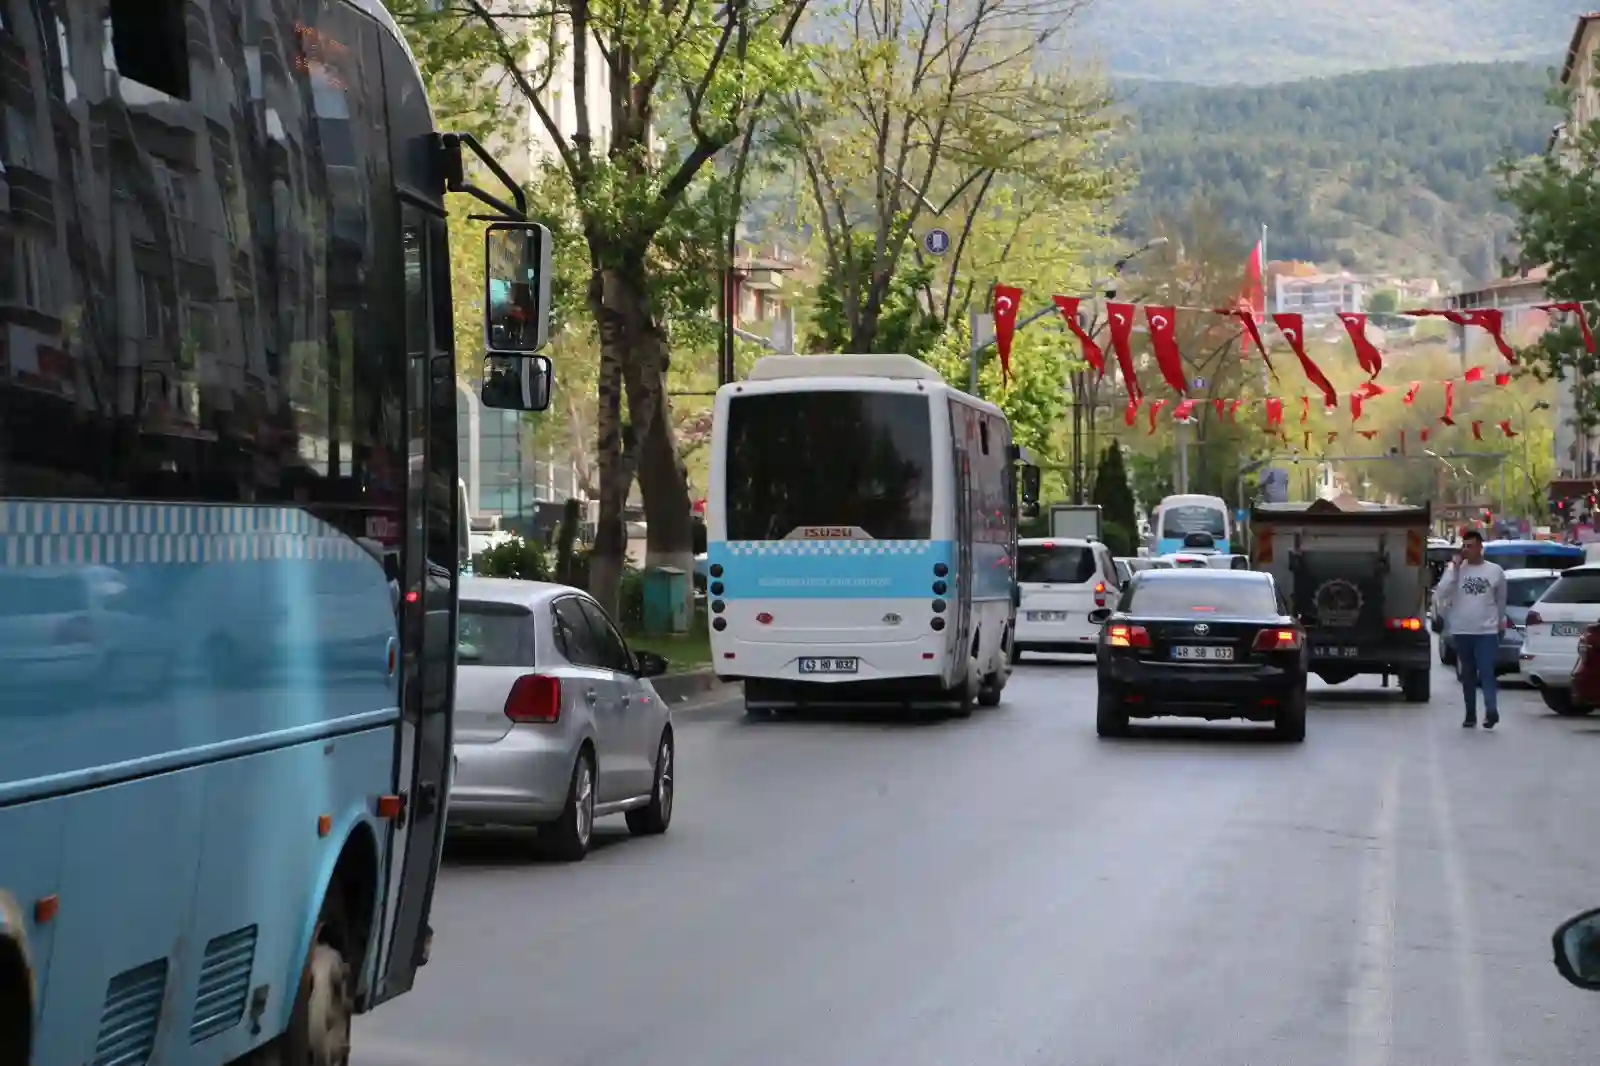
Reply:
x=556, y=722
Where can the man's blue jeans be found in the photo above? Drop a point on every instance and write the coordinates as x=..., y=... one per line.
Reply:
x=1476, y=653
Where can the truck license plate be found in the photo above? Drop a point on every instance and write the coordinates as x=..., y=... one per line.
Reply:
x=1334, y=651
x=1202, y=652
x=829, y=666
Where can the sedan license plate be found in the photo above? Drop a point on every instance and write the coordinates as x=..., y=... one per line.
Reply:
x=1203, y=653
x=1047, y=616
x=1334, y=651
x=1564, y=629
x=829, y=666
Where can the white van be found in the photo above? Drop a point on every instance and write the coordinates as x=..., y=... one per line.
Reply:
x=1062, y=580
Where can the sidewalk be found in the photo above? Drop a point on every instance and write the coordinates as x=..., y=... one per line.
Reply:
x=693, y=689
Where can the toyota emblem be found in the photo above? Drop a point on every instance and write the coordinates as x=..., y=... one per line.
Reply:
x=1201, y=630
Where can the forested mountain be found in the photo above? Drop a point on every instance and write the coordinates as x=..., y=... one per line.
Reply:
x=1385, y=170
x=1212, y=42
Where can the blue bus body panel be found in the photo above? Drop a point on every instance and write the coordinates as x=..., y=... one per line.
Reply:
x=828, y=569
x=184, y=692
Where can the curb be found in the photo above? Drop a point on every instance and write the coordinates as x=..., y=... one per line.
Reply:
x=696, y=685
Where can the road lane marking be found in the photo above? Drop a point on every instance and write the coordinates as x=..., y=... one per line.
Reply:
x=1463, y=938
x=1371, y=1022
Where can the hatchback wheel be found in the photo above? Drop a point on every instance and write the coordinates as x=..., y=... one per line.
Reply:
x=654, y=818
x=568, y=835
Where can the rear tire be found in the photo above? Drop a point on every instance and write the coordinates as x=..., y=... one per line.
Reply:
x=1290, y=724
x=1014, y=655
x=1110, y=717
x=567, y=838
x=319, y=1024
x=1560, y=701
x=652, y=820
x=1417, y=686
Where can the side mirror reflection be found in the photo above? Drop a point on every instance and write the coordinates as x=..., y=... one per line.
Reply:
x=516, y=288
x=517, y=382
x=650, y=664
x=1577, y=950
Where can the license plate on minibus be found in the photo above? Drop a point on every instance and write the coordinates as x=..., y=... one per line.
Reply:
x=1203, y=653
x=1564, y=629
x=1047, y=616
x=829, y=666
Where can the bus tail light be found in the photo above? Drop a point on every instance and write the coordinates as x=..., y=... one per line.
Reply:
x=1099, y=593
x=534, y=698
x=1409, y=624
x=1277, y=640
x=1123, y=636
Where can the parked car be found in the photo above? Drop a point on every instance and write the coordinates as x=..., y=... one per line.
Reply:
x=1523, y=589
x=557, y=723
x=1550, y=638
x=1213, y=644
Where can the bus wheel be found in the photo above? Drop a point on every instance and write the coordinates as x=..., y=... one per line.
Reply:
x=319, y=1026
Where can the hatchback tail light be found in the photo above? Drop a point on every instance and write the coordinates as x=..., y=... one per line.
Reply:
x=1099, y=593
x=1277, y=640
x=534, y=698
x=1533, y=619
x=1411, y=624
x=1124, y=636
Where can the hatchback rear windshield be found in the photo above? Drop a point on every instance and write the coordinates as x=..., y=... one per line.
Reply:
x=1217, y=597
x=494, y=634
x=1525, y=591
x=1055, y=564
x=1574, y=588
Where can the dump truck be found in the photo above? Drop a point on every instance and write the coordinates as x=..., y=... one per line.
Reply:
x=1356, y=576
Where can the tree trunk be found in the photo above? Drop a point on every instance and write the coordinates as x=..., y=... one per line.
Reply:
x=615, y=472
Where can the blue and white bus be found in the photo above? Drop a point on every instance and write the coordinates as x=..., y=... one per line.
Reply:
x=862, y=536
x=1177, y=517
x=228, y=527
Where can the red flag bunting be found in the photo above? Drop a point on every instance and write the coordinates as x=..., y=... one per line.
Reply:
x=1091, y=351
x=1183, y=410
x=1274, y=411
x=1505, y=427
x=1367, y=353
x=1411, y=393
x=1577, y=310
x=1492, y=321
x=1155, y=409
x=1121, y=317
x=1164, y=341
x=1292, y=326
x=1006, y=299
x=1449, y=403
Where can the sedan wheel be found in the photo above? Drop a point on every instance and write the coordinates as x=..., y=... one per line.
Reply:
x=654, y=818
x=569, y=835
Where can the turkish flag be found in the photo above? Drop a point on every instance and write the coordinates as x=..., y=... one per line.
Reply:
x=1449, y=403
x=1576, y=309
x=1006, y=299
x=1274, y=411
x=1356, y=400
x=1121, y=317
x=1252, y=332
x=1164, y=339
x=1477, y=429
x=1502, y=378
x=1492, y=321
x=1367, y=353
x=1183, y=410
x=1233, y=410
x=1411, y=393
x=1091, y=351
x=1474, y=373
x=1292, y=326
x=1155, y=410
x=1505, y=427
x=1131, y=413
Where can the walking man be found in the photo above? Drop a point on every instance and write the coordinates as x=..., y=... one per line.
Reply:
x=1472, y=599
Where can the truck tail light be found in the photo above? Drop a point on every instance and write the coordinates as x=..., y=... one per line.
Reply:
x=1408, y=624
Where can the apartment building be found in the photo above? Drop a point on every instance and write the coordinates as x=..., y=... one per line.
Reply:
x=1319, y=295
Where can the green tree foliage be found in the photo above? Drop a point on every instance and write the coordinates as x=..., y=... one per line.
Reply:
x=905, y=326
x=1393, y=167
x=1556, y=197
x=1115, y=497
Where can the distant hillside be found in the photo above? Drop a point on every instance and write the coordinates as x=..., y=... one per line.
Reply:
x=1215, y=42
x=1387, y=170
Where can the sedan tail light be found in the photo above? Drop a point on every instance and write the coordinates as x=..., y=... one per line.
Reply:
x=1533, y=619
x=534, y=698
x=1277, y=640
x=1125, y=636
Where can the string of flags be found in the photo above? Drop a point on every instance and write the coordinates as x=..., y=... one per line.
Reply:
x=1161, y=325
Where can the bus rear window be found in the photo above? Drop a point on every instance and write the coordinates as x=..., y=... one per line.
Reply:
x=1052, y=564
x=1179, y=522
x=838, y=459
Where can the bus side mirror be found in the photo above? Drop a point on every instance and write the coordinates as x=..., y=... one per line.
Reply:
x=516, y=288
x=1029, y=481
x=517, y=382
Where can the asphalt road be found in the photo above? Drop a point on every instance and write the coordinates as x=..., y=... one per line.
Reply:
x=1012, y=890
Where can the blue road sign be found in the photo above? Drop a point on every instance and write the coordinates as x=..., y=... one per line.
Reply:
x=936, y=241
x=1199, y=383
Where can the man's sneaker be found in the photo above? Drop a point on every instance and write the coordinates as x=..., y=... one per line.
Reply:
x=1491, y=719
x=1469, y=722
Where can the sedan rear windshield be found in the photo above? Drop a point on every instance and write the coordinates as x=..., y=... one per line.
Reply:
x=1525, y=591
x=494, y=634
x=1055, y=564
x=1217, y=597
x=1574, y=588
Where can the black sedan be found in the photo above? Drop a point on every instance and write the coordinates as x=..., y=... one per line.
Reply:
x=1213, y=644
